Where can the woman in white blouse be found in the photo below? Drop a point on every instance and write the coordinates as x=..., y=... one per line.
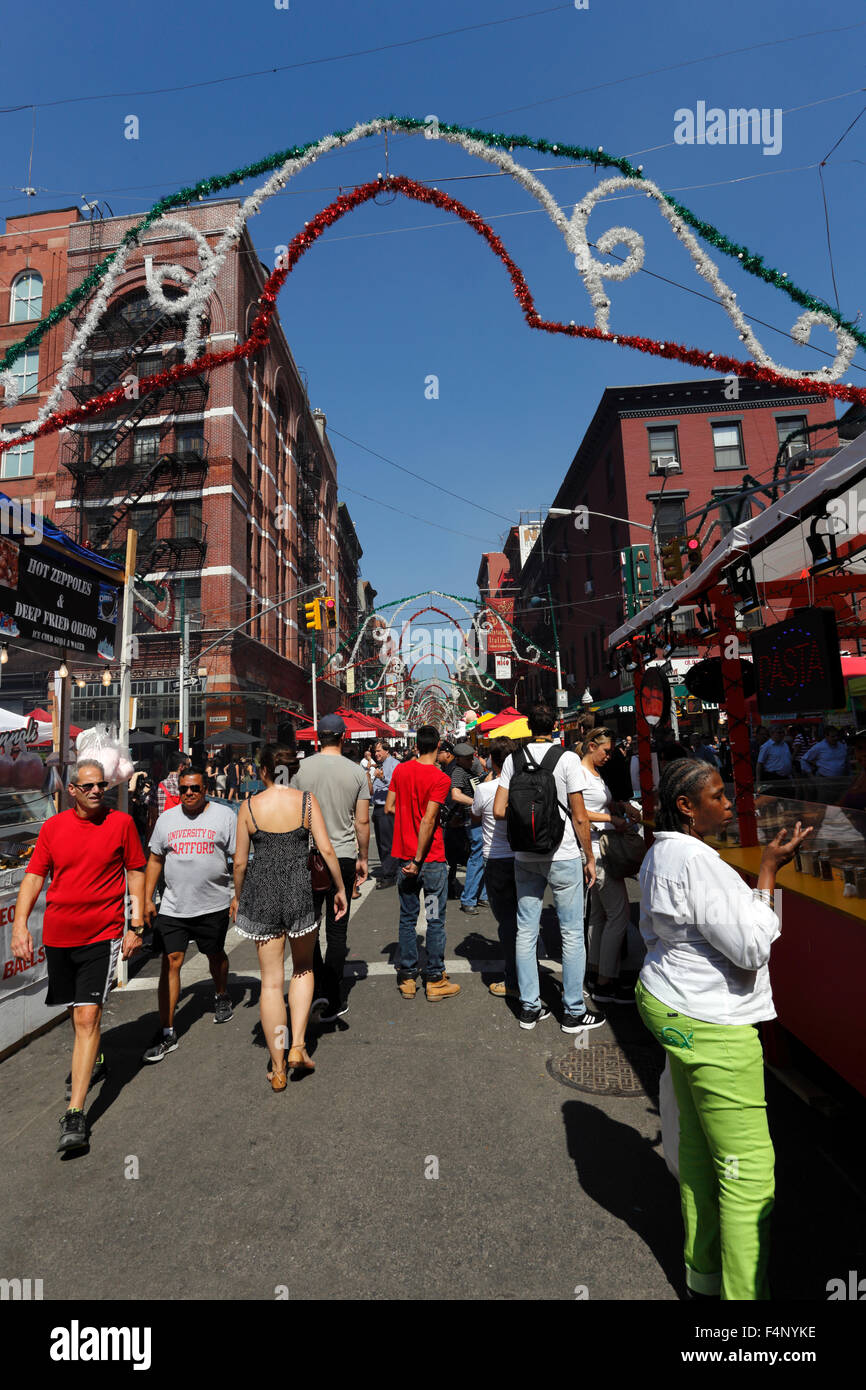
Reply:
x=608, y=899
x=703, y=988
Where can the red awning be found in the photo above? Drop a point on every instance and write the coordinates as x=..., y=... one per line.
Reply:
x=356, y=723
x=506, y=716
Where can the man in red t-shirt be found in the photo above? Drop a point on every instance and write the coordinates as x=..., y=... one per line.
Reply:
x=415, y=797
x=94, y=856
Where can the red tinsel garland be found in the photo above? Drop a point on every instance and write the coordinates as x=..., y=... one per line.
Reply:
x=347, y=202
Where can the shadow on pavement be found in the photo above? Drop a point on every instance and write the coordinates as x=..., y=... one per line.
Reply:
x=622, y=1172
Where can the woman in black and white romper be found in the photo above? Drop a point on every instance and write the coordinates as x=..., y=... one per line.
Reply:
x=274, y=900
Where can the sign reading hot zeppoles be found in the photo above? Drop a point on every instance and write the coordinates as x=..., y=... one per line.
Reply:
x=499, y=635
x=59, y=604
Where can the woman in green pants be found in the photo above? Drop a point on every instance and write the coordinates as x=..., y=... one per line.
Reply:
x=703, y=989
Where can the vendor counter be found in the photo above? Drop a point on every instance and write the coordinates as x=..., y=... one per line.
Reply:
x=818, y=965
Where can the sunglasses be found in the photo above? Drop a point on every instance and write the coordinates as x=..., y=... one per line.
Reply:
x=89, y=786
x=191, y=791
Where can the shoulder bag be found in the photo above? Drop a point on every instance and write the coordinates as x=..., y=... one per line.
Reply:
x=320, y=874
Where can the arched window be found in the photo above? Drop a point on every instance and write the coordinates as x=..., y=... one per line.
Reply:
x=26, y=298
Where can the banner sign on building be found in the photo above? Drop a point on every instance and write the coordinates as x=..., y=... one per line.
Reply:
x=636, y=578
x=527, y=536
x=503, y=668
x=499, y=636
x=44, y=600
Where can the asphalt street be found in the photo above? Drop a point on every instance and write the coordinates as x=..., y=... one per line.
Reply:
x=432, y=1154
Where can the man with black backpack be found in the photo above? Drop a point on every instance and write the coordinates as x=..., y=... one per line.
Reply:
x=540, y=799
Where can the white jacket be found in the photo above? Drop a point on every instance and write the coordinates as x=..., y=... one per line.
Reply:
x=708, y=938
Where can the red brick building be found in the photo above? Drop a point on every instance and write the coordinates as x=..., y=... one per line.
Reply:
x=656, y=462
x=229, y=478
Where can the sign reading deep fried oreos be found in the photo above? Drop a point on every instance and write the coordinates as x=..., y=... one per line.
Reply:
x=58, y=603
x=799, y=664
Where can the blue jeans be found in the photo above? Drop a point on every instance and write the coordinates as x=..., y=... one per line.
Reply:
x=502, y=895
x=473, y=888
x=564, y=877
x=434, y=878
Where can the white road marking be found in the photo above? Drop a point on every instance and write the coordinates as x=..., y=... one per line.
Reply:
x=353, y=970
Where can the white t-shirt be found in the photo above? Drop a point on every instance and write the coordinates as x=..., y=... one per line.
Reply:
x=568, y=776
x=493, y=831
x=597, y=797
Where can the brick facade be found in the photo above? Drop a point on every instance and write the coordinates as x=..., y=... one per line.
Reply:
x=613, y=473
x=244, y=509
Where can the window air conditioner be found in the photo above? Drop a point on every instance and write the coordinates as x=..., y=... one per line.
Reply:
x=588, y=588
x=665, y=461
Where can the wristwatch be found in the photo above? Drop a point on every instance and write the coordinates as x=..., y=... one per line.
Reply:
x=139, y=931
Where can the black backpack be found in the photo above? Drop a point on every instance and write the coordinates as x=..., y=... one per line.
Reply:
x=534, y=820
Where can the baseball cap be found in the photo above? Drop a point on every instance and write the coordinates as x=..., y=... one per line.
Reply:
x=331, y=724
x=464, y=750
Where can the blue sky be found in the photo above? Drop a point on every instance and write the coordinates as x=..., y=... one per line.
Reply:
x=386, y=299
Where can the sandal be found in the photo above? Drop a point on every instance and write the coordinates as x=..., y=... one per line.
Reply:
x=277, y=1079
x=299, y=1061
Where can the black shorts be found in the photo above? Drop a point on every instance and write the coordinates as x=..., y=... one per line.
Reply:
x=207, y=931
x=81, y=974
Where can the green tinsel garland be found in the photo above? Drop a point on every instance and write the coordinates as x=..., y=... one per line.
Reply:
x=750, y=262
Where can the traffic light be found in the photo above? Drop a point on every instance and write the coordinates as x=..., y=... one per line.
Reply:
x=672, y=561
x=693, y=551
x=170, y=728
x=330, y=608
x=313, y=616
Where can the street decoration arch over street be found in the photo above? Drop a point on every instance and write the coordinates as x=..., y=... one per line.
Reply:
x=493, y=148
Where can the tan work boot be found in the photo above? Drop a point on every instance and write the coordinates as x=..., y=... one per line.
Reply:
x=408, y=988
x=500, y=989
x=441, y=989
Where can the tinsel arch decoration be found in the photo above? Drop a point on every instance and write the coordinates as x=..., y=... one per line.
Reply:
x=522, y=647
x=495, y=148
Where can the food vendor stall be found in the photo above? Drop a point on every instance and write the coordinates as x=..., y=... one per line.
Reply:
x=805, y=572
x=58, y=604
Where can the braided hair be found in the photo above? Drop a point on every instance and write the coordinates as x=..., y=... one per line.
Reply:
x=683, y=777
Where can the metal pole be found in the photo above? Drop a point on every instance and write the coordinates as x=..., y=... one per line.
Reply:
x=126, y=654
x=184, y=703
x=555, y=639
x=181, y=666
x=315, y=703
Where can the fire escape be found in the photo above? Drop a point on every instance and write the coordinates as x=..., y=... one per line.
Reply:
x=309, y=511
x=120, y=466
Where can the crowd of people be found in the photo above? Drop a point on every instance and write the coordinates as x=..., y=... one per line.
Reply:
x=530, y=820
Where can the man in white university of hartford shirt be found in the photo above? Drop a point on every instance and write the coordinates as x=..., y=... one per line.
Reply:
x=192, y=844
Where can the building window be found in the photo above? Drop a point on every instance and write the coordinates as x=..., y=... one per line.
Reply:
x=25, y=373
x=18, y=462
x=26, y=298
x=728, y=446
x=189, y=439
x=143, y=520
x=790, y=428
x=608, y=473
x=102, y=446
x=670, y=519
x=187, y=520
x=734, y=509
x=145, y=446
x=664, y=450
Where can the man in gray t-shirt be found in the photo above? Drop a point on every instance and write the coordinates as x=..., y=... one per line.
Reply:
x=191, y=844
x=343, y=793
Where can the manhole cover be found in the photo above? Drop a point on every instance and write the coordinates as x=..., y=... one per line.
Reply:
x=604, y=1070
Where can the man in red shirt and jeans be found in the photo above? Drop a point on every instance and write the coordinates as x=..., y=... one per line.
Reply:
x=415, y=797
x=93, y=855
